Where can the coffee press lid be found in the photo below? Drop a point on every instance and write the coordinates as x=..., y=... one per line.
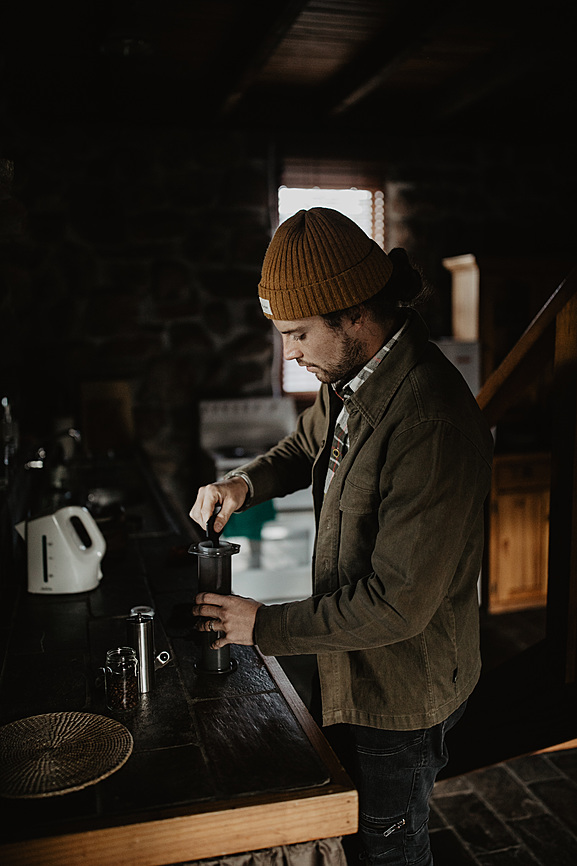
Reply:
x=212, y=545
x=206, y=548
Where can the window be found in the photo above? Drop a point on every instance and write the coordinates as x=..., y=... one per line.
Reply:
x=365, y=207
x=364, y=204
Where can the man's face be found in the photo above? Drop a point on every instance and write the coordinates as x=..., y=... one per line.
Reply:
x=330, y=354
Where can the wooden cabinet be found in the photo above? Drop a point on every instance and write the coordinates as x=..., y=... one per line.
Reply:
x=519, y=532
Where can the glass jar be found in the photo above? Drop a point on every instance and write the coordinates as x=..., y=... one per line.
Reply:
x=121, y=678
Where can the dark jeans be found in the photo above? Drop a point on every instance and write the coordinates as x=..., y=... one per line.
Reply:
x=394, y=773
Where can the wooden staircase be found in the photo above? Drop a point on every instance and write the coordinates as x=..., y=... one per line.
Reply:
x=529, y=703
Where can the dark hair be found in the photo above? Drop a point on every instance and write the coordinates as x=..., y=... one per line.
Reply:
x=404, y=288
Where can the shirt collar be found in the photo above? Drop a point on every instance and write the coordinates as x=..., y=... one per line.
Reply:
x=348, y=388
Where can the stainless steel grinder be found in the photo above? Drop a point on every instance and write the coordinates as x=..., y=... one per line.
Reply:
x=214, y=575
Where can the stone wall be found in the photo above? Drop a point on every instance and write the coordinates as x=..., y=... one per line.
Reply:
x=132, y=255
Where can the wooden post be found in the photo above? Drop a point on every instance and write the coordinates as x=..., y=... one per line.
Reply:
x=562, y=591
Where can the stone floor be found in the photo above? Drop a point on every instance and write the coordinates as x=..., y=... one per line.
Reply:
x=522, y=811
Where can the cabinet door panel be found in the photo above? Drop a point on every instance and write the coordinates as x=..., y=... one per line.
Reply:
x=519, y=549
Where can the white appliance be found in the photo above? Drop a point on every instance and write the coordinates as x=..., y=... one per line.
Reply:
x=278, y=568
x=235, y=431
x=466, y=356
x=64, y=551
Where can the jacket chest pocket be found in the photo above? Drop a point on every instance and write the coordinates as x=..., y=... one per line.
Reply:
x=359, y=513
x=359, y=500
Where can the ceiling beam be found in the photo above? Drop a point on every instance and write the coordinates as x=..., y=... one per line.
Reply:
x=249, y=49
x=394, y=43
x=514, y=61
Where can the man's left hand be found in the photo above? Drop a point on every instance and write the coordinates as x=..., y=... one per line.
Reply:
x=231, y=615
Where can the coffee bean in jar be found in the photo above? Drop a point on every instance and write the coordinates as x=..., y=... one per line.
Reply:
x=121, y=678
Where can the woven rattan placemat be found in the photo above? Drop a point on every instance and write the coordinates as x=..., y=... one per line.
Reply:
x=57, y=753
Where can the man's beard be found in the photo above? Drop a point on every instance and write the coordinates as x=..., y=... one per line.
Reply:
x=353, y=358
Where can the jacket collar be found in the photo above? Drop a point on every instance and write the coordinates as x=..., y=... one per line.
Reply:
x=373, y=397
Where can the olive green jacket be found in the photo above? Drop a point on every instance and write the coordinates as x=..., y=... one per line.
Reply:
x=394, y=614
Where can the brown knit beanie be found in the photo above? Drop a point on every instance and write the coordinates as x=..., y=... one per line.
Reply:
x=320, y=261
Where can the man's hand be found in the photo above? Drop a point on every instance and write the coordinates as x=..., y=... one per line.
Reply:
x=231, y=615
x=230, y=494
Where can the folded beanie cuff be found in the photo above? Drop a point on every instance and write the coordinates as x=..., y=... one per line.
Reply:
x=318, y=262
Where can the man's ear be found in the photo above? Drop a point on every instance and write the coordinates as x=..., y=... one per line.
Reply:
x=358, y=315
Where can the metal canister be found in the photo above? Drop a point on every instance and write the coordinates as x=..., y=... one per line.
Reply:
x=140, y=635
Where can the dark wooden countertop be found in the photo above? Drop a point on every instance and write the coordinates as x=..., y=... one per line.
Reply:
x=221, y=764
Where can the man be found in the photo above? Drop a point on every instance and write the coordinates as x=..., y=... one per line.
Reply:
x=400, y=460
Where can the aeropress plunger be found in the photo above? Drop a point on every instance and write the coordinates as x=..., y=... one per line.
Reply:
x=214, y=575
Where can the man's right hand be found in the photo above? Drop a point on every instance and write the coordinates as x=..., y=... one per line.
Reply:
x=230, y=494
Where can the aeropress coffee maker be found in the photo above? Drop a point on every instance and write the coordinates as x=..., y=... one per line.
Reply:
x=214, y=575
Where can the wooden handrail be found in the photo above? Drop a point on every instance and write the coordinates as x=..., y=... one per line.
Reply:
x=551, y=341
x=528, y=701
x=502, y=387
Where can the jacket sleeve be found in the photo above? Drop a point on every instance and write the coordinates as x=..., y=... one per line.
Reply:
x=427, y=532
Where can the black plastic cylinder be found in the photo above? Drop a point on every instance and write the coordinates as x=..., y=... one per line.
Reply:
x=214, y=575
